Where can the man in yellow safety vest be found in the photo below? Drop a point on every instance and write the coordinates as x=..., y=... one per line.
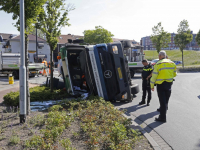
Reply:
x=45, y=65
x=163, y=76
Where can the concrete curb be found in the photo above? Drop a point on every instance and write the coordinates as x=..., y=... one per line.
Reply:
x=156, y=141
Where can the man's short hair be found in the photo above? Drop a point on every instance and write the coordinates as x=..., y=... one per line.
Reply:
x=162, y=53
x=145, y=60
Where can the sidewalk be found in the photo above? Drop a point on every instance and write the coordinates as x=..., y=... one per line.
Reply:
x=12, y=88
x=156, y=141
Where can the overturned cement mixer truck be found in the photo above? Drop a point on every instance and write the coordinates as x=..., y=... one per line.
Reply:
x=100, y=69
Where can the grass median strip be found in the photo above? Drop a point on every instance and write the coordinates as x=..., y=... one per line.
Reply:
x=76, y=124
x=38, y=93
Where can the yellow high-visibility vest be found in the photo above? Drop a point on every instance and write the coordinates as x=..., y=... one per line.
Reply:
x=164, y=70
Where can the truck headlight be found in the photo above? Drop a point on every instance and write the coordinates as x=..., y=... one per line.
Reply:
x=124, y=96
x=115, y=49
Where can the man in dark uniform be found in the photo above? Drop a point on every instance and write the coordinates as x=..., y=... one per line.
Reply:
x=146, y=75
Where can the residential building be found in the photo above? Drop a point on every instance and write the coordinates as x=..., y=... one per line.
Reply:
x=148, y=45
x=43, y=48
x=4, y=41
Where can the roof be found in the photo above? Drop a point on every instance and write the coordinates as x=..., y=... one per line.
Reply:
x=31, y=37
x=5, y=35
x=62, y=39
x=116, y=39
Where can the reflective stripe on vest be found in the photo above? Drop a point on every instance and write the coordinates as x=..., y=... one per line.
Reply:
x=155, y=72
x=164, y=79
x=166, y=68
x=150, y=69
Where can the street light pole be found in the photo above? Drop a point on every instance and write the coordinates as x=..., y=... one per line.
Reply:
x=22, y=70
x=36, y=45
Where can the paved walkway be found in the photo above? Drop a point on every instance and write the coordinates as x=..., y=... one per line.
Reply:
x=12, y=88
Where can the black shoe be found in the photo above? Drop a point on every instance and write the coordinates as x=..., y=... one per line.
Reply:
x=160, y=120
x=159, y=109
x=148, y=104
x=141, y=103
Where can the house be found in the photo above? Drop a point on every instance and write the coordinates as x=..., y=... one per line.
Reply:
x=43, y=48
x=4, y=41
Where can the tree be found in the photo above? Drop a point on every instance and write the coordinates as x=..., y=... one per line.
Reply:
x=197, y=38
x=99, y=35
x=160, y=38
x=39, y=33
x=183, y=36
x=31, y=12
x=51, y=19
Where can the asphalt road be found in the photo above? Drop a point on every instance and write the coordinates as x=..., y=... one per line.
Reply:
x=182, y=130
x=4, y=83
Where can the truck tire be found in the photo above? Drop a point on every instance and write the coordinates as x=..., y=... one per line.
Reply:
x=16, y=74
x=134, y=89
x=132, y=73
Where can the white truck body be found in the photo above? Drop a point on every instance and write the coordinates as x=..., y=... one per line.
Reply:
x=10, y=64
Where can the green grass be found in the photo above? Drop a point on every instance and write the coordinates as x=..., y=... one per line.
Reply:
x=190, y=57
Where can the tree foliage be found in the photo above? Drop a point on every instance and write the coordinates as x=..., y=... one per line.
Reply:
x=183, y=36
x=197, y=38
x=52, y=18
x=31, y=11
x=99, y=35
x=39, y=33
x=160, y=38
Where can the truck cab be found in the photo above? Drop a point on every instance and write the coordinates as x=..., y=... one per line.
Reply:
x=96, y=69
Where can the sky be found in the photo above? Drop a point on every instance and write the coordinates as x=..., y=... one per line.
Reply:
x=126, y=19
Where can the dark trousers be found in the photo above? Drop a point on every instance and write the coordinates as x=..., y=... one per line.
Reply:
x=164, y=93
x=146, y=89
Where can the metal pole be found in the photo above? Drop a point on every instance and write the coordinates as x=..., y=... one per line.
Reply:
x=36, y=46
x=22, y=70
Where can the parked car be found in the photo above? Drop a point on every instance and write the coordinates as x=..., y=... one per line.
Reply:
x=153, y=62
x=177, y=62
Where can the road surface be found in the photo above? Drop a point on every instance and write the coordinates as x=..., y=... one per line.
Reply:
x=4, y=83
x=182, y=130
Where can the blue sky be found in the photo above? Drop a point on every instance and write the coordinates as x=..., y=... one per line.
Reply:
x=128, y=19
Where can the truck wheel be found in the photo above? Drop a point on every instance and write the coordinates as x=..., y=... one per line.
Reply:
x=135, y=89
x=16, y=74
x=132, y=73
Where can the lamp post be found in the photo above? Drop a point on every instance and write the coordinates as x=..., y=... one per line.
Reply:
x=36, y=44
x=22, y=71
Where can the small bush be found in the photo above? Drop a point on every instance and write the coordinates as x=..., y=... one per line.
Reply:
x=14, y=139
x=66, y=143
x=39, y=93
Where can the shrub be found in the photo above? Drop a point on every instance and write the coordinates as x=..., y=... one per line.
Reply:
x=14, y=139
x=38, y=93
